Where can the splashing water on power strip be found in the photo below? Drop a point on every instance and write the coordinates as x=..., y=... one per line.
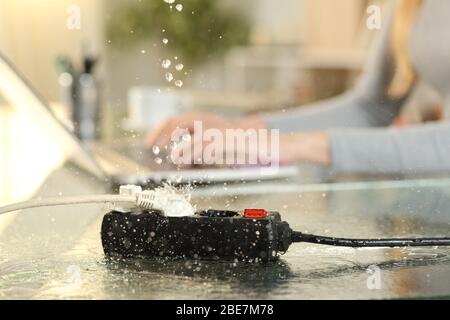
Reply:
x=174, y=202
x=177, y=230
x=170, y=201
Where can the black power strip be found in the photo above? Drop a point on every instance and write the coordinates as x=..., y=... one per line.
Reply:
x=254, y=235
x=209, y=234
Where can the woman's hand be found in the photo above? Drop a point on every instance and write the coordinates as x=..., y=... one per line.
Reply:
x=162, y=134
x=311, y=147
x=290, y=148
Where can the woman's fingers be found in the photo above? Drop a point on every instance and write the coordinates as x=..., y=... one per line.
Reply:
x=187, y=152
x=162, y=134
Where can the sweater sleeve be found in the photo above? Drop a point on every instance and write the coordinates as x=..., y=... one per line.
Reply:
x=424, y=148
x=367, y=105
x=353, y=122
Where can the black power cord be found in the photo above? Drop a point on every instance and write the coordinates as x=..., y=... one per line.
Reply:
x=219, y=234
x=357, y=243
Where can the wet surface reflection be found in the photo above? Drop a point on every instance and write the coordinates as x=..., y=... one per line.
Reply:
x=57, y=253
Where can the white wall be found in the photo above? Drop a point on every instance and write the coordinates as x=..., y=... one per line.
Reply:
x=278, y=22
x=33, y=33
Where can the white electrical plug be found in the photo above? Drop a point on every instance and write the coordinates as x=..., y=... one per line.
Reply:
x=131, y=191
x=171, y=203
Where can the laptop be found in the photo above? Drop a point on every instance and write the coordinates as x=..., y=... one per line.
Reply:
x=125, y=162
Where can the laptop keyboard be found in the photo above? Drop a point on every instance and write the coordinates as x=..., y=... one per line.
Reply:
x=145, y=156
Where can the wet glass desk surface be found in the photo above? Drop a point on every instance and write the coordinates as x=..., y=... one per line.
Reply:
x=56, y=253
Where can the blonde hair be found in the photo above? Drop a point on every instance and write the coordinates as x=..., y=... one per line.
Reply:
x=404, y=74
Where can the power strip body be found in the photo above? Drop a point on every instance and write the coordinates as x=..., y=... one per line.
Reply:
x=209, y=234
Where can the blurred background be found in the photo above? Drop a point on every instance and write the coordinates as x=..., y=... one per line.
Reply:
x=232, y=56
x=131, y=63
x=111, y=69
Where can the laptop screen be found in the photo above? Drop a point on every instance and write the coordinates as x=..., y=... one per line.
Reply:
x=29, y=121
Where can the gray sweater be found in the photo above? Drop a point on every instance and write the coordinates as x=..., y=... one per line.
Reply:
x=354, y=120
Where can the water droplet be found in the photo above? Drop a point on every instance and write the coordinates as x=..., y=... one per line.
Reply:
x=143, y=51
x=156, y=150
x=169, y=76
x=166, y=63
x=179, y=83
x=179, y=7
x=186, y=137
x=179, y=67
x=169, y=1
x=173, y=145
x=165, y=40
x=158, y=160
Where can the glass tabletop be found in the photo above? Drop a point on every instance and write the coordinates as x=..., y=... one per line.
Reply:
x=57, y=252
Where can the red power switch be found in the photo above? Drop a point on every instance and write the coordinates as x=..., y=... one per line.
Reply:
x=255, y=213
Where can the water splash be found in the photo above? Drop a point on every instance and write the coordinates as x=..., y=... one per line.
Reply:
x=169, y=76
x=156, y=150
x=173, y=145
x=176, y=201
x=166, y=63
